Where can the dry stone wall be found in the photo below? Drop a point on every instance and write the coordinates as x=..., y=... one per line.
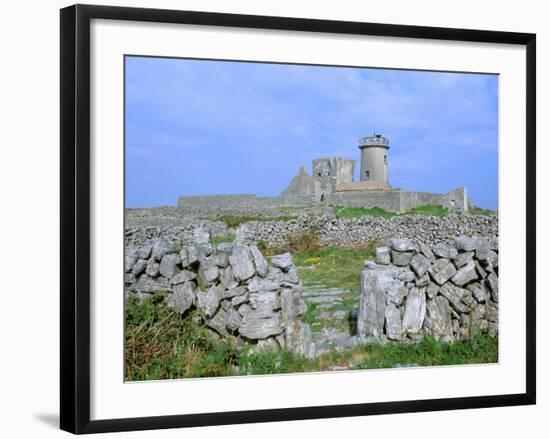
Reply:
x=445, y=290
x=238, y=293
x=362, y=231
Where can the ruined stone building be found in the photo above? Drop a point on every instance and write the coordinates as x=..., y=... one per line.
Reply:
x=332, y=182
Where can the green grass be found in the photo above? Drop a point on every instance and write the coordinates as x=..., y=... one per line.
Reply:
x=474, y=210
x=430, y=352
x=162, y=345
x=218, y=239
x=334, y=267
x=237, y=220
x=429, y=210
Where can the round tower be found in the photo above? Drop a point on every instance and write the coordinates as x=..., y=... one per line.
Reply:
x=374, y=159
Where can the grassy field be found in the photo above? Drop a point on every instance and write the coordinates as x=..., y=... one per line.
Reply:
x=161, y=345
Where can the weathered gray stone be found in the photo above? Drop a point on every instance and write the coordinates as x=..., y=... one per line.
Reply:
x=439, y=319
x=265, y=299
x=241, y=262
x=372, y=302
x=402, y=245
x=259, y=261
x=383, y=255
x=208, y=272
x=284, y=261
x=183, y=276
x=221, y=260
x=217, y=322
x=227, y=279
x=232, y=320
x=192, y=255
x=480, y=271
x=486, y=257
x=423, y=281
x=145, y=251
x=146, y=284
x=465, y=274
x=233, y=292
x=169, y=265
x=245, y=308
x=492, y=283
x=290, y=278
x=492, y=243
x=153, y=268
x=184, y=260
x=479, y=291
x=432, y=290
x=298, y=339
x=470, y=243
x=420, y=264
x=426, y=251
x=454, y=295
x=131, y=257
x=401, y=258
x=160, y=248
x=209, y=302
x=139, y=267
x=262, y=284
x=463, y=258
x=257, y=325
x=393, y=322
x=491, y=312
x=236, y=301
x=415, y=311
x=444, y=251
x=396, y=293
x=225, y=247
x=406, y=275
x=183, y=297
x=442, y=270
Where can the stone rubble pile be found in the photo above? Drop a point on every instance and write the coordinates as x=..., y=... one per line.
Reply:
x=237, y=292
x=448, y=291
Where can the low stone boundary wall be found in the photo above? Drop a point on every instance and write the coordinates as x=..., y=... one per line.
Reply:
x=363, y=230
x=446, y=290
x=237, y=292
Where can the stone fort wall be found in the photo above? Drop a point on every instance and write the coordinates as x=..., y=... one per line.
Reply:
x=392, y=200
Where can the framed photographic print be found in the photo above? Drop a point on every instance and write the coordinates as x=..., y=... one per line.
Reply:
x=285, y=218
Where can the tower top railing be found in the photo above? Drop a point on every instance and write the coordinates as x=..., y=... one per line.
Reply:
x=376, y=140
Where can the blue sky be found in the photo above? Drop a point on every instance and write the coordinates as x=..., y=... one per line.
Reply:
x=211, y=127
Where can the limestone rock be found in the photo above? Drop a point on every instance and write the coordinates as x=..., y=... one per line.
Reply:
x=209, y=302
x=439, y=318
x=465, y=274
x=487, y=257
x=153, y=268
x=145, y=251
x=426, y=251
x=406, y=275
x=227, y=279
x=208, y=272
x=393, y=322
x=402, y=245
x=420, y=264
x=233, y=292
x=131, y=257
x=463, y=258
x=454, y=295
x=468, y=244
x=241, y=262
x=479, y=291
x=256, y=324
x=139, y=267
x=372, y=302
x=146, y=284
x=239, y=300
x=492, y=283
x=415, y=311
x=183, y=276
x=232, y=320
x=265, y=299
x=401, y=258
x=444, y=251
x=442, y=270
x=160, y=248
x=383, y=255
x=432, y=290
x=396, y=293
x=259, y=261
x=284, y=261
x=183, y=297
x=169, y=265
x=262, y=284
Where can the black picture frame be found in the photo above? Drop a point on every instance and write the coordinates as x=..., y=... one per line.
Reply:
x=75, y=217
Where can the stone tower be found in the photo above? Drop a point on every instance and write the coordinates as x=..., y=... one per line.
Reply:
x=374, y=159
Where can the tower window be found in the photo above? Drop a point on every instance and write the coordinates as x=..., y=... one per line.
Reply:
x=385, y=159
x=367, y=174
